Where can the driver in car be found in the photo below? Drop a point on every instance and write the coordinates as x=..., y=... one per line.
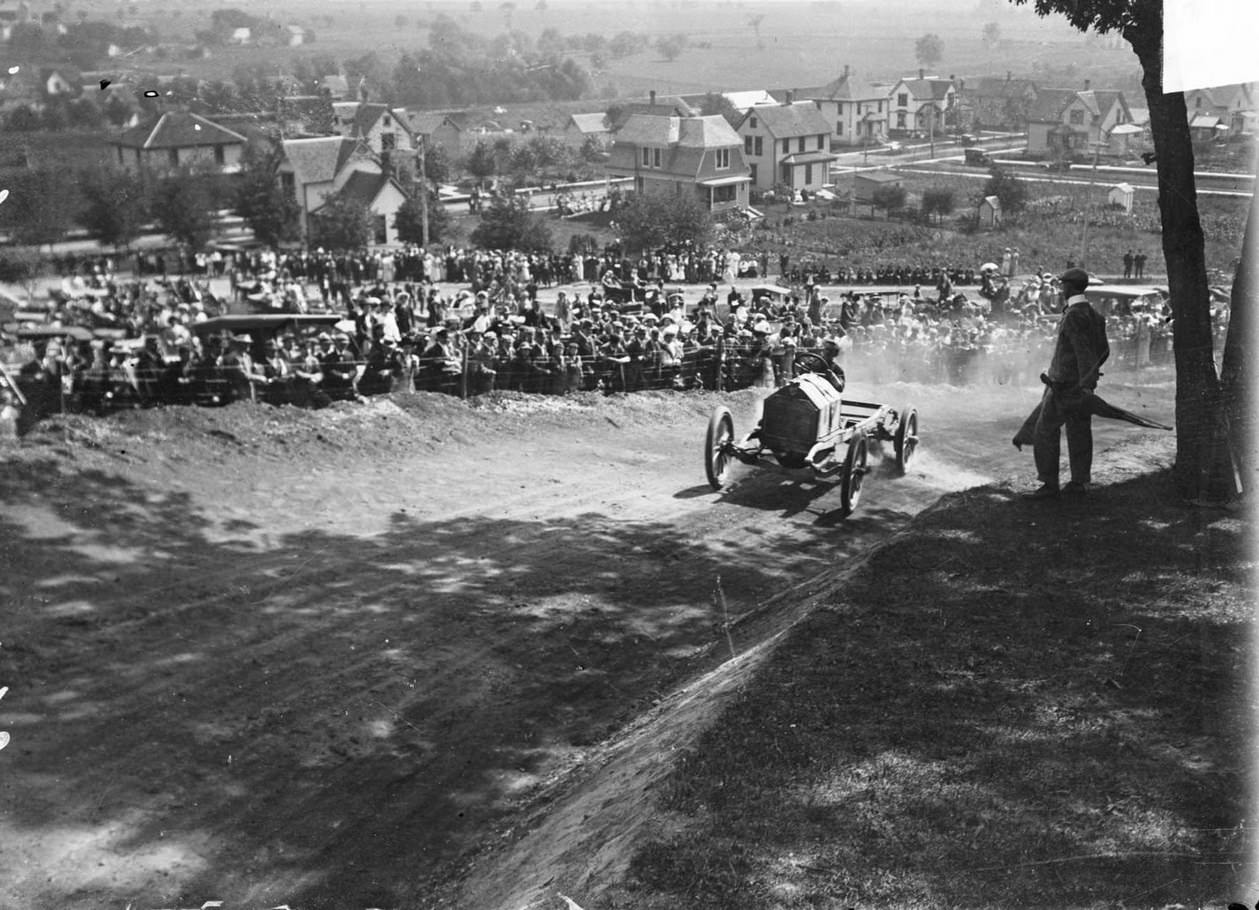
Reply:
x=830, y=353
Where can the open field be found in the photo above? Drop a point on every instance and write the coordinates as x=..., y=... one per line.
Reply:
x=793, y=44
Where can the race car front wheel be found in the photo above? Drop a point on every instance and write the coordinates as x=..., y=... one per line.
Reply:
x=716, y=446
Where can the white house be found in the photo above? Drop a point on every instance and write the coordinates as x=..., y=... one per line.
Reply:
x=788, y=144
x=314, y=170
x=856, y=110
x=922, y=105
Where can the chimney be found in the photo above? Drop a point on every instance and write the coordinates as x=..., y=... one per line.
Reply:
x=790, y=97
x=653, y=97
x=845, y=70
x=1087, y=83
x=1009, y=74
x=922, y=73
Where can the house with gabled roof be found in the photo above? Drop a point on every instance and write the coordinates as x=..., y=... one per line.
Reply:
x=856, y=110
x=1226, y=109
x=447, y=130
x=318, y=169
x=787, y=144
x=922, y=105
x=668, y=155
x=380, y=194
x=179, y=139
x=314, y=169
x=583, y=128
x=997, y=103
x=1066, y=123
x=385, y=130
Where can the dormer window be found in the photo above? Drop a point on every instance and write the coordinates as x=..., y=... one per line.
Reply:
x=723, y=159
x=646, y=157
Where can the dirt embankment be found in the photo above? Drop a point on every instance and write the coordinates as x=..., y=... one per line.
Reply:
x=325, y=658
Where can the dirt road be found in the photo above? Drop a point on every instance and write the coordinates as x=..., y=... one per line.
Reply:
x=268, y=656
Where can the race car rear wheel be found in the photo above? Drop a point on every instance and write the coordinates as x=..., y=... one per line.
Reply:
x=905, y=442
x=716, y=455
x=854, y=471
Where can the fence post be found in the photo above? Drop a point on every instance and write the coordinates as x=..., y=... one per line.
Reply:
x=721, y=363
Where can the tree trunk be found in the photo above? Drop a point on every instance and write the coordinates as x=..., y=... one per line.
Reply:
x=1203, y=470
x=1234, y=375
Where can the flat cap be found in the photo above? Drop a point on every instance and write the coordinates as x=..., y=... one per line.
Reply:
x=1075, y=276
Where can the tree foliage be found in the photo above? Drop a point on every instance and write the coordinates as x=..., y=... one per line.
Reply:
x=270, y=211
x=342, y=224
x=717, y=103
x=42, y=206
x=118, y=203
x=481, y=162
x=184, y=205
x=21, y=266
x=890, y=196
x=991, y=35
x=409, y=221
x=1010, y=190
x=671, y=46
x=646, y=221
x=507, y=224
x=938, y=201
x=461, y=67
x=929, y=49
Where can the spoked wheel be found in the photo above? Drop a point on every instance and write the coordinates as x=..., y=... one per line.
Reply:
x=906, y=440
x=720, y=436
x=854, y=471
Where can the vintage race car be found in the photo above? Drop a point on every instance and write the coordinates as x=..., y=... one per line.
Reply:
x=809, y=431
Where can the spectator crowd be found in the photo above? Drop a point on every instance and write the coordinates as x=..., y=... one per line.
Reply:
x=473, y=321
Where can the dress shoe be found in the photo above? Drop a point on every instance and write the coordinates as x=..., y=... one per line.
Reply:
x=1045, y=491
x=1075, y=488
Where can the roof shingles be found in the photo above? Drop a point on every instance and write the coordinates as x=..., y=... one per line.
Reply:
x=177, y=129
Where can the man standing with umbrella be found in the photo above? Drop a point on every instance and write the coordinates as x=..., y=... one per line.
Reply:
x=1079, y=353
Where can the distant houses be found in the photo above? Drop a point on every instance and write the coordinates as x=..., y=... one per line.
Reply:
x=1069, y=123
x=857, y=110
x=179, y=139
x=670, y=155
x=315, y=171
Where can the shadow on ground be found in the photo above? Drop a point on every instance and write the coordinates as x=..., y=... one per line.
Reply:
x=329, y=720
x=1017, y=704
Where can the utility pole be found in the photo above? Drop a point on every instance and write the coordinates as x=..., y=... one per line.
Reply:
x=423, y=196
x=1088, y=203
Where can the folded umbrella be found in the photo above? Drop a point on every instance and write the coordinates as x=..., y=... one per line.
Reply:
x=1098, y=407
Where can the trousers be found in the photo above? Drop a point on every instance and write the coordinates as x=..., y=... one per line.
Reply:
x=1043, y=429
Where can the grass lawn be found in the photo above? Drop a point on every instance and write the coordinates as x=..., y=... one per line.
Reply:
x=1013, y=705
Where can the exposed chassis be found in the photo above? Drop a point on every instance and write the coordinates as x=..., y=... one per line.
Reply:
x=842, y=455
